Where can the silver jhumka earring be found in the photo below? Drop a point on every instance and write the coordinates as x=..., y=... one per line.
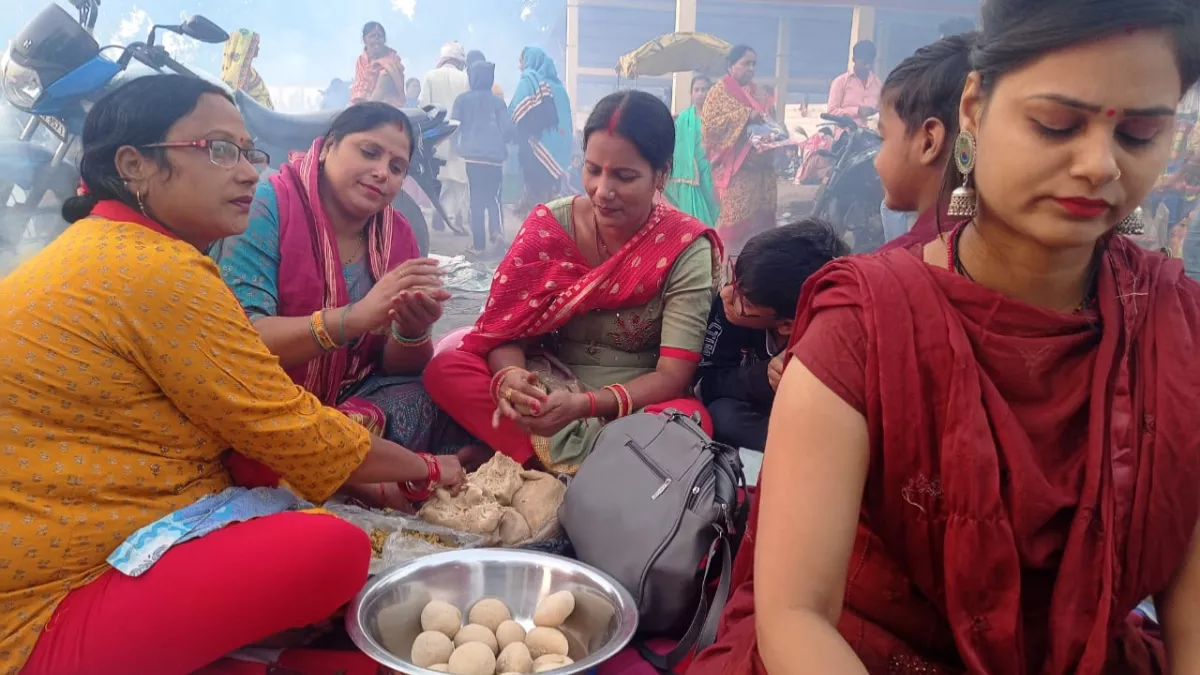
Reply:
x=964, y=203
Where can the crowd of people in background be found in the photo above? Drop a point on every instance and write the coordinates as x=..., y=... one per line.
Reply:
x=978, y=445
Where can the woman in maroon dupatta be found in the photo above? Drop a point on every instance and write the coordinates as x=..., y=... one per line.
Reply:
x=984, y=453
x=331, y=277
x=599, y=308
x=745, y=179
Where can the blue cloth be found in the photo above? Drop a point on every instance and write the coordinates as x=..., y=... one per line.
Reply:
x=539, y=79
x=1191, y=247
x=145, y=547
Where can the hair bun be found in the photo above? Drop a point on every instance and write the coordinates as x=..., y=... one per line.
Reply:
x=78, y=207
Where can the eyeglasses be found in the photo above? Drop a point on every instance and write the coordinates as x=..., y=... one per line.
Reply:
x=225, y=154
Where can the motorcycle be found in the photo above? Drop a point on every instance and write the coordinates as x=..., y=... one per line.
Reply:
x=282, y=133
x=851, y=194
x=54, y=70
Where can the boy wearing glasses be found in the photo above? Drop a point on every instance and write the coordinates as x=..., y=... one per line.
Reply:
x=750, y=324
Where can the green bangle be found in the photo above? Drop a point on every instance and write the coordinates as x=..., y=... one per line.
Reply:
x=342, y=324
x=407, y=340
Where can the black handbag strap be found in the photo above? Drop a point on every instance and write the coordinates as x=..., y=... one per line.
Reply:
x=703, y=630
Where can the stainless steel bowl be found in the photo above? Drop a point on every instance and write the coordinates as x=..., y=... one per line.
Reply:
x=385, y=618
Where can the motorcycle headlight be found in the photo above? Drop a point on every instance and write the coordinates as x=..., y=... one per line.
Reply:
x=22, y=86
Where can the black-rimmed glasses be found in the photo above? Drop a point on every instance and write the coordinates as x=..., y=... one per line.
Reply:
x=225, y=154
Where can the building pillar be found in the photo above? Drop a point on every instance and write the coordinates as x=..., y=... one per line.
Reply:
x=681, y=83
x=572, y=65
x=862, y=27
x=782, y=75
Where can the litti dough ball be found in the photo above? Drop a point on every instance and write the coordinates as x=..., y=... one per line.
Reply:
x=442, y=617
x=550, y=662
x=440, y=667
x=490, y=613
x=473, y=632
x=473, y=658
x=554, y=610
x=509, y=632
x=515, y=659
x=542, y=641
x=431, y=647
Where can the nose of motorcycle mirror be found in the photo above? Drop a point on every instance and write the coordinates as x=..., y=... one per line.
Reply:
x=202, y=29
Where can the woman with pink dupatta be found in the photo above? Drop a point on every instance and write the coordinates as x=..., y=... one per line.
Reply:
x=331, y=277
x=744, y=178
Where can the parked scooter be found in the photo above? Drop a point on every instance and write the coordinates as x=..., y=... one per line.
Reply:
x=852, y=193
x=282, y=133
x=54, y=70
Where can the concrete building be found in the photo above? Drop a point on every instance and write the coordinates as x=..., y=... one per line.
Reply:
x=802, y=44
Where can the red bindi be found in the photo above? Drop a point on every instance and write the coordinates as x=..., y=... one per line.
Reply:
x=1111, y=113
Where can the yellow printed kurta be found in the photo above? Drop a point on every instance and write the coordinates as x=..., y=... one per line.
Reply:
x=126, y=368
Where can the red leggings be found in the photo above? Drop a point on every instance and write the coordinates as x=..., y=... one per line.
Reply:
x=460, y=383
x=206, y=598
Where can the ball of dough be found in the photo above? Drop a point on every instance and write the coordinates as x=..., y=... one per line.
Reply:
x=509, y=632
x=554, y=610
x=515, y=659
x=473, y=632
x=542, y=641
x=442, y=617
x=431, y=647
x=473, y=658
x=550, y=662
x=489, y=613
x=440, y=667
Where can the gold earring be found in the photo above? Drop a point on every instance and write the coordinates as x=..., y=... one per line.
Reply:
x=141, y=205
x=1133, y=224
x=964, y=203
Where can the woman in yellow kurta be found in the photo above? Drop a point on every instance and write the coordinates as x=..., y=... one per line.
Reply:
x=237, y=66
x=128, y=370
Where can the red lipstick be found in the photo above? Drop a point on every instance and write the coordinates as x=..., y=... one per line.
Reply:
x=1081, y=207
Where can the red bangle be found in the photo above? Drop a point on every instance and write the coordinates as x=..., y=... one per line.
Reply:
x=423, y=490
x=498, y=379
x=591, y=404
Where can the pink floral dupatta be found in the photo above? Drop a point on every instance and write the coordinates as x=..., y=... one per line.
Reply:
x=311, y=275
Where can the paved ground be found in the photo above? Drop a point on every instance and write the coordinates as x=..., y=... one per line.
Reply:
x=464, y=307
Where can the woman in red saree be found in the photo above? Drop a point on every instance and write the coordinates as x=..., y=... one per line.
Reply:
x=983, y=455
x=744, y=178
x=598, y=309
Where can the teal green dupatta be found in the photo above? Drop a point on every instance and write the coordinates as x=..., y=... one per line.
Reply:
x=690, y=187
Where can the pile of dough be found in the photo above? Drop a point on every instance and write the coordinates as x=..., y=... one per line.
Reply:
x=501, y=501
x=492, y=643
x=539, y=498
x=471, y=511
x=500, y=476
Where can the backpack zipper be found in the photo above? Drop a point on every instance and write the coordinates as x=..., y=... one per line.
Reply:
x=707, y=477
x=653, y=466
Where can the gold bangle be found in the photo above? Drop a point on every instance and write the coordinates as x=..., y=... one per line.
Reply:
x=317, y=325
x=624, y=402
